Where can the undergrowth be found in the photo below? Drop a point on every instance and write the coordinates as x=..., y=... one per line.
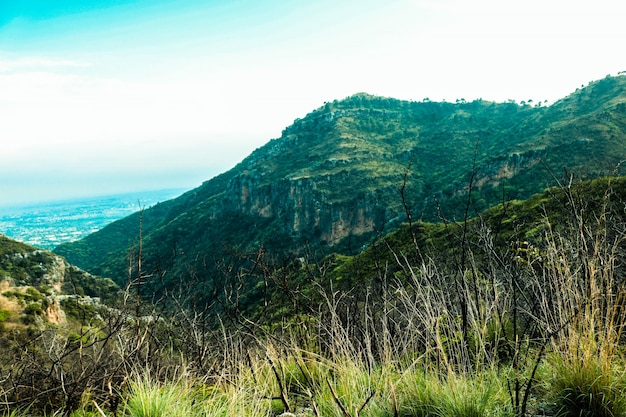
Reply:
x=490, y=328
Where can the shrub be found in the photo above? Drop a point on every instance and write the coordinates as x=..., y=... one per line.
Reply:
x=82, y=312
x=33, y=309
x=430, y=395
x=587, y=381
x=4, y=315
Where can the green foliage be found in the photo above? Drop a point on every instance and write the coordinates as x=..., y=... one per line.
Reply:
x=33, y=309
x=482, y=318
x=30, y=294
x=426, y=395
x=23, y=264
x=80, y=283
x=16, y=413
x=454, y=318
x=10, y=246
x=148, y=398
x=28, y=267
x=587, y=384
x=4, y=315
x=79, y=310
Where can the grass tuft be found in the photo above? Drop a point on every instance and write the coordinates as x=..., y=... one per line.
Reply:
x=587, y=381
x=151, y=398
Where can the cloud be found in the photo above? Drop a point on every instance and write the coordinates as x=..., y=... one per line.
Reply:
x=193, y=89
x=62, y=125
x=11, y=65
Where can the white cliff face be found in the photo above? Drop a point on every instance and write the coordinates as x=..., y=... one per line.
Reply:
x=302, y=207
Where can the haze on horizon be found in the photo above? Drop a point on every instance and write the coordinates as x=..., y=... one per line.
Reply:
x=113, y=96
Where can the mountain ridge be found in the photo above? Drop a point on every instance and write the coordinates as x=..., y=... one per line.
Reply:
x=331, y=181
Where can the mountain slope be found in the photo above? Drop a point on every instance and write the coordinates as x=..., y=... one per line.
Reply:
x=36, y=285
x=331, y=182
x=506, y=238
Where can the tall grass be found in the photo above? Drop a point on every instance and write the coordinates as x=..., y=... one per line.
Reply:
x=586, y=360
x=515, y=329
x=148, y=397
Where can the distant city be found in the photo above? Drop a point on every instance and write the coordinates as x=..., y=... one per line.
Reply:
x=47, y=225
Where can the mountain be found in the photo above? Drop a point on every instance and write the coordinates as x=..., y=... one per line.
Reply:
x=332, y=182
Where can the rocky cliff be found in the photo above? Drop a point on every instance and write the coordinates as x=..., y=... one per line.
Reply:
x=304, y=208
x=33, y=282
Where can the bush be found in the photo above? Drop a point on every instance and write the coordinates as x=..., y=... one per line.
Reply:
x=33, y=309
x=84, y=313
x=4, y=315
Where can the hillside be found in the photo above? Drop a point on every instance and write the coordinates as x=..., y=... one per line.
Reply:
x=37, y=286
x=538, y=280
x=518, y=308
x=331, y=182
x=511, y=237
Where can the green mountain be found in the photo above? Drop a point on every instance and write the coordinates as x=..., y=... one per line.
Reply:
x=354, y=169
x=376, y=239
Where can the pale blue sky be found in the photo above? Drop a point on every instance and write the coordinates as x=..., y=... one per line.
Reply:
x=104, y=96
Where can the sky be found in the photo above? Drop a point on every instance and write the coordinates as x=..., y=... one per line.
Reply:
x=100, y=97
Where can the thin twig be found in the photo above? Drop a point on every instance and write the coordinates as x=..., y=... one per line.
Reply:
x=98, y=408
x=332, y=391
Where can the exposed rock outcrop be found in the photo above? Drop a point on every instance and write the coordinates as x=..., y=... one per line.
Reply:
x=33, y=282
x=304, y=208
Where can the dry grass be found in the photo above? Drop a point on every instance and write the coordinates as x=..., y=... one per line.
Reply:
x=499, y=334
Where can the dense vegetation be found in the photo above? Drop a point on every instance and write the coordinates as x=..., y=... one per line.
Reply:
x=33, y=282
x=516, y=312
x=463, y=286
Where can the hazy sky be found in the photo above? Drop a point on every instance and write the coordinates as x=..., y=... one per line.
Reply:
x=104, y=96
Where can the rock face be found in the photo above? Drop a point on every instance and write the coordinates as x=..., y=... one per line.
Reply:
x=54, y=314
x=305, y=212
x=34, y=267
x=499, y=170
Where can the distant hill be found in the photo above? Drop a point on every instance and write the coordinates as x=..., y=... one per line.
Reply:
x=332, y=181
x=37, y=286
